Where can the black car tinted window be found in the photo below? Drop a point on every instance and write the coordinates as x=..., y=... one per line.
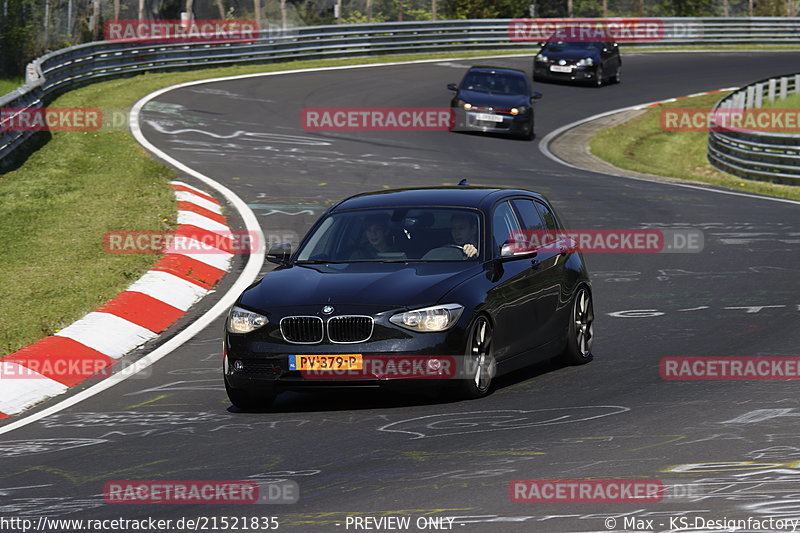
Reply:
x=504, y=225
x=529, y=216
x=547, y=216
x=394, y=234
x=488, y=82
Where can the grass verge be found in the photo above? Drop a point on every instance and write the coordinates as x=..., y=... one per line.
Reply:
x=641, y=145
x=9, y=84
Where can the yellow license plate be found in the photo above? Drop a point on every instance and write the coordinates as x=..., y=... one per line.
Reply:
x=326, y=362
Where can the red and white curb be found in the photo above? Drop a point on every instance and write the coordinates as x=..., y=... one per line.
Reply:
x=148, y=307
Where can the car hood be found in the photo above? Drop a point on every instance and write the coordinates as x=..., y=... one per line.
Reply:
x=379, y=286
x=571, y=54
x=503, y=101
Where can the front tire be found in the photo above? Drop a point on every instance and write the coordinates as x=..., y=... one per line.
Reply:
x=599, y=76
x=479, y=361
x=580, y=332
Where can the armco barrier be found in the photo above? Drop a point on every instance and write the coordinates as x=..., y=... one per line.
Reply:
x=763, y=156
x=71, y=67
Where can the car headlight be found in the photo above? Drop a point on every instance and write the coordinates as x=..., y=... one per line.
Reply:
x=436, y=318
x=244, y=321
x=585, y=62
x=542, y=58
x=465, y=105
x=521, y=110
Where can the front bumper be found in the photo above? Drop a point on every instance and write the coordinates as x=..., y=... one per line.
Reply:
x=502, y=123
x=260, y=363
x=583, y=73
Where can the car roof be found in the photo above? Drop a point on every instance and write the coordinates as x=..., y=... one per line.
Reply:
x=457, y=196
x=499, y=70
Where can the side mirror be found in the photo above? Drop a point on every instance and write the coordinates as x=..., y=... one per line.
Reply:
x=280, y=253
x=513, y=249
x=452, y=86
x=536, y=96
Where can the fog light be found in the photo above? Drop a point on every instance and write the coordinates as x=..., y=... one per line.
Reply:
x=238, y=365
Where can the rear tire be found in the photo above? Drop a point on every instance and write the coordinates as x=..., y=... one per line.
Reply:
x=247, y=401
x=580, y=332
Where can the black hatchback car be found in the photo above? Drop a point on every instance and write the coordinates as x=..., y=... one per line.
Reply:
x=493, y=99
x=410, y=286
x=588, y=62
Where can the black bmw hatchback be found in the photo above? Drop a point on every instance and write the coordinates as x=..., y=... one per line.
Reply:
x=411, y=287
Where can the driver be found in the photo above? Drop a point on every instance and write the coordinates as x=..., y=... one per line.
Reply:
x=464, y=230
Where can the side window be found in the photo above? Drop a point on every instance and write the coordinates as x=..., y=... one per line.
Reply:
x=504, y=225
x=529, y=216
x=547, y=216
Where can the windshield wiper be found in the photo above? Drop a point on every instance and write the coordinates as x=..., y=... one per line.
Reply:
x=318, y=262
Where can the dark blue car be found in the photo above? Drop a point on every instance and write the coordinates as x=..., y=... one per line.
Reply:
x=493, y=99
x=411, y=287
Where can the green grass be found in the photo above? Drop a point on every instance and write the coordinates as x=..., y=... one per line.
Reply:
x=642, y=146
x=790, y=102
x=9, y=84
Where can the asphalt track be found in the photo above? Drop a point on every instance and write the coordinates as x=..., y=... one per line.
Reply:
x=374, y=453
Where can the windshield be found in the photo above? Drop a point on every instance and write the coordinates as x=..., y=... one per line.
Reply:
x=397, y=234
x=486, y=82
x=558, y=46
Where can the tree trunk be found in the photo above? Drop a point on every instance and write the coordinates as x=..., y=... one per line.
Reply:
x=400, y=12
x=605, y=9
x=369, y=10
x=141, y=9
x=257, y=12
x=221, y=9
x=570, y=13
x=283, y=14
x=46, y=24
x=116, y=9
x=433, y=9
